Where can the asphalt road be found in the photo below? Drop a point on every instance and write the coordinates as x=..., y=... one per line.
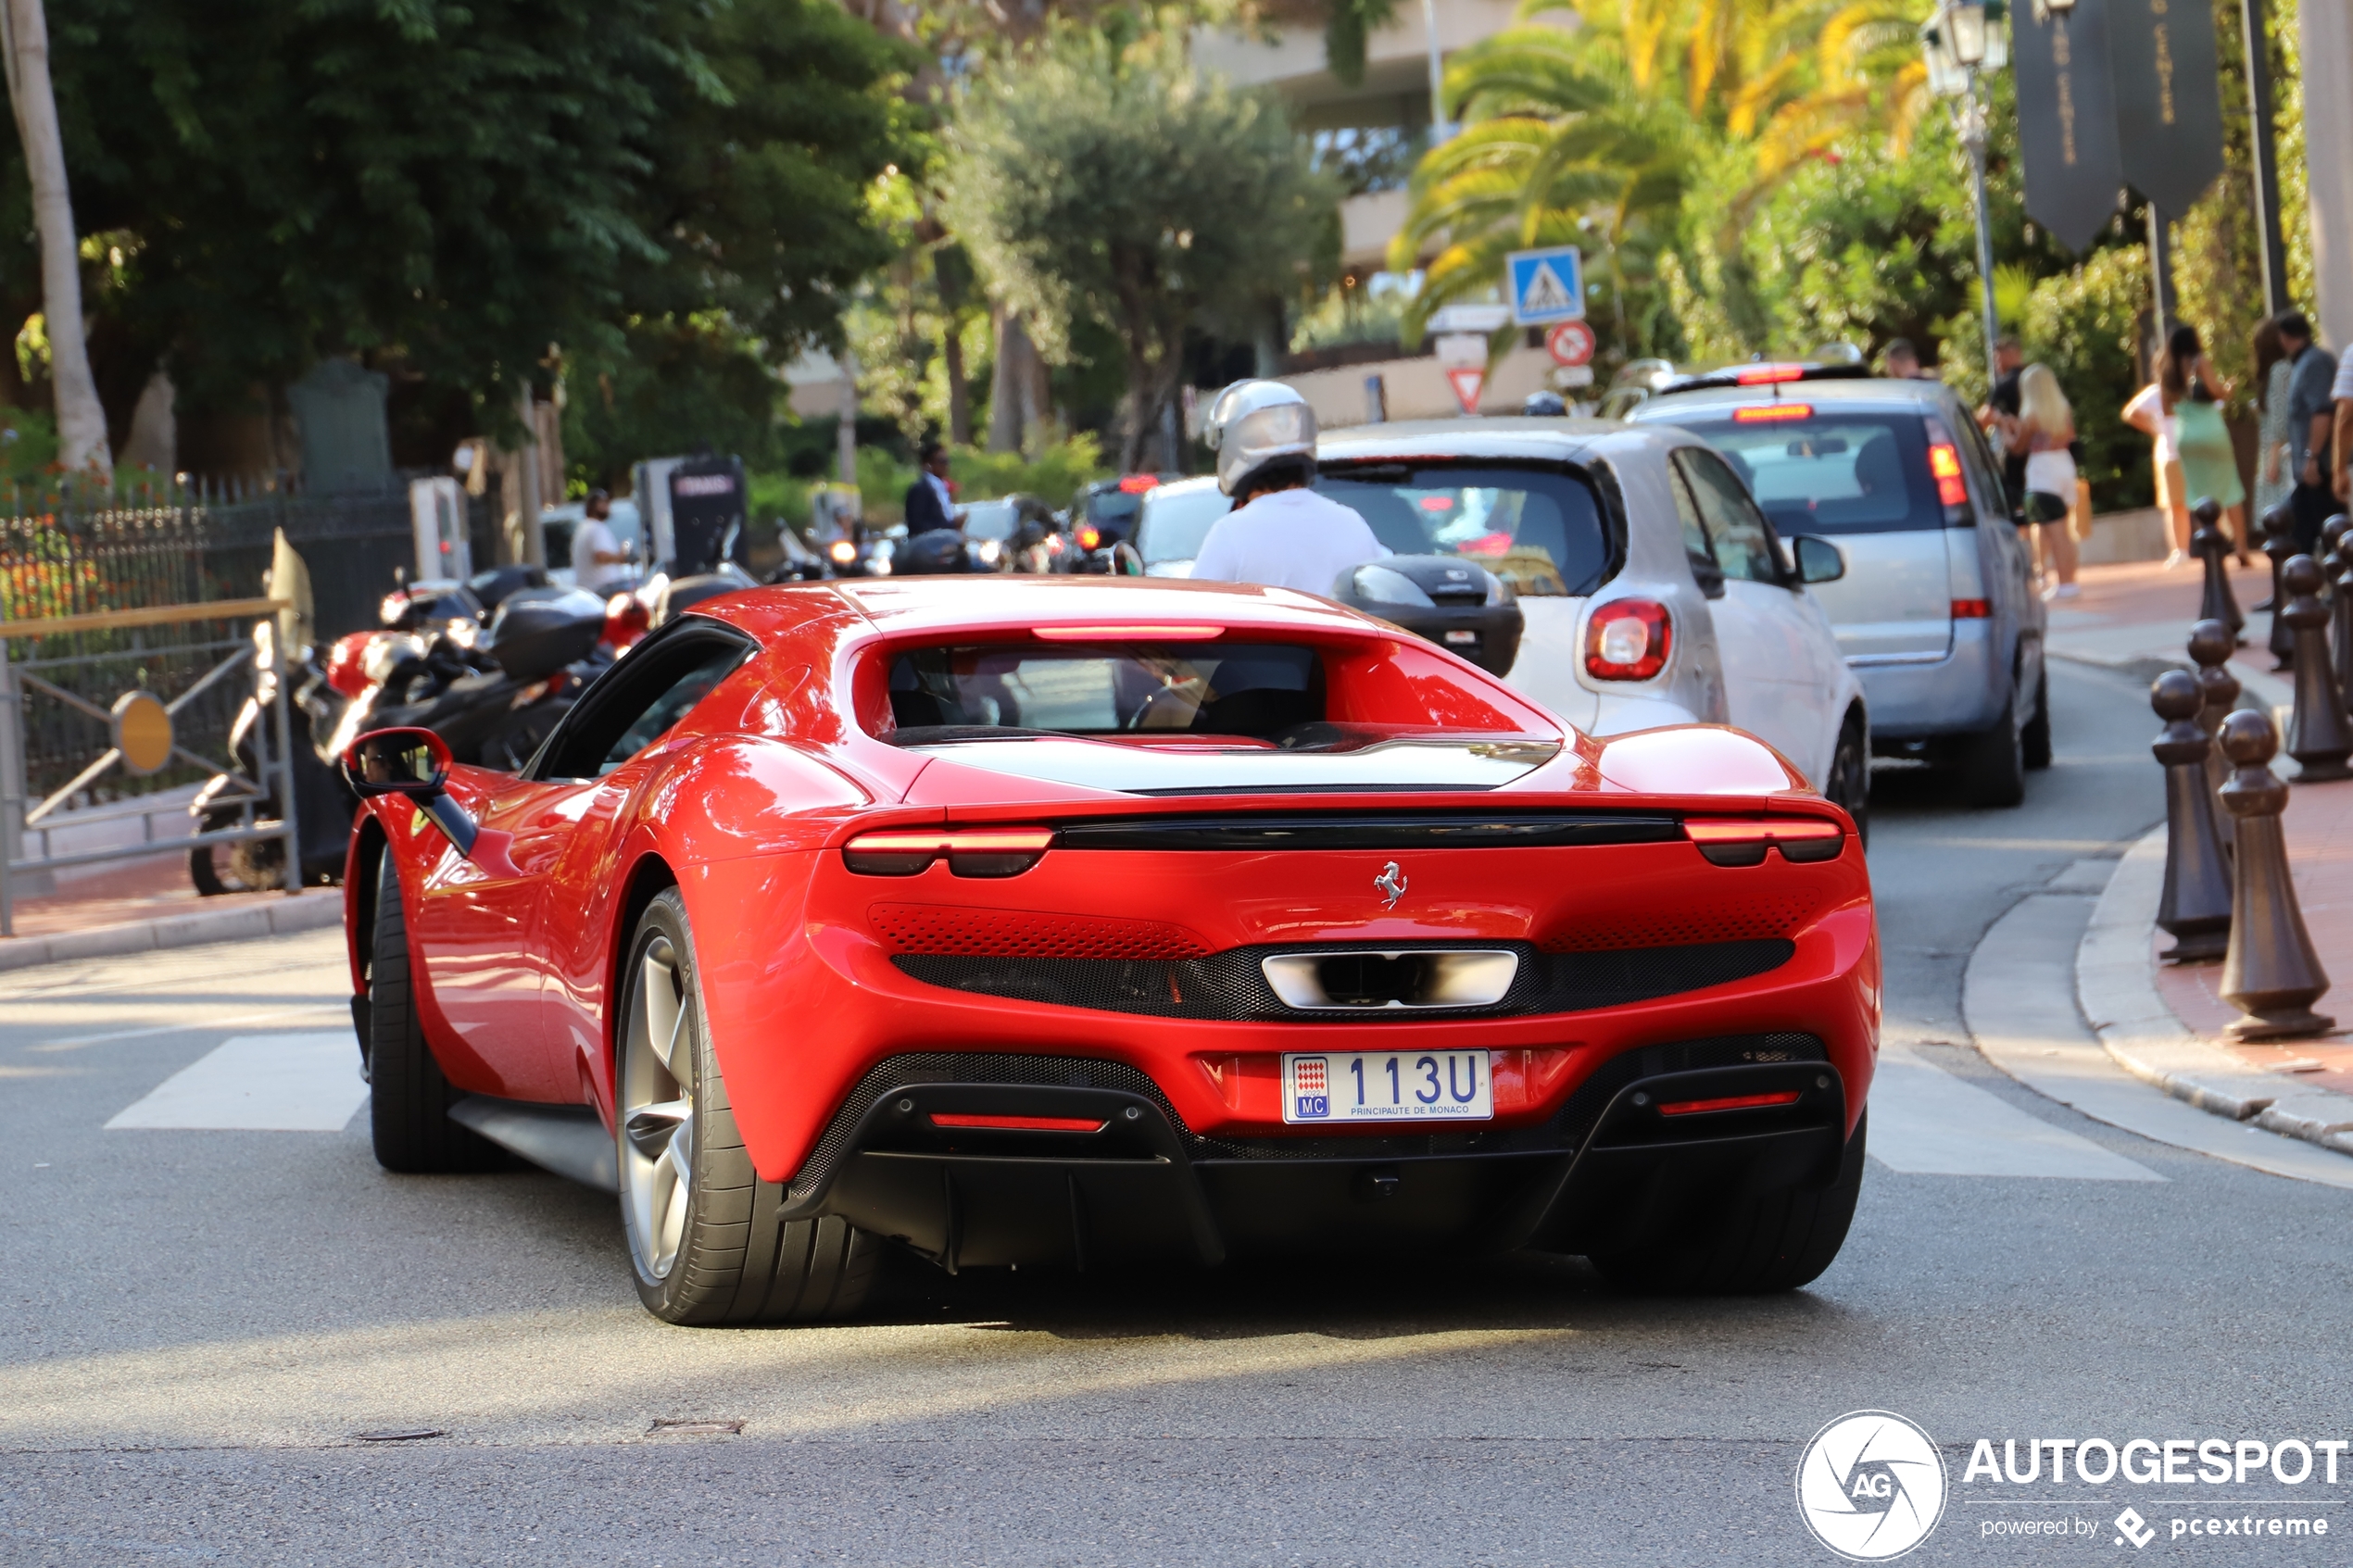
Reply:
x=198, y=1323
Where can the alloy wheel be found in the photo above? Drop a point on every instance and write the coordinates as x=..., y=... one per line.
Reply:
x=658, y=1108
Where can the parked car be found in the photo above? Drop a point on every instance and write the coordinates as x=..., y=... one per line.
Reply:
x=1653, y=590
x=1031, y=921
x=1104, y=516
x=1937, y=613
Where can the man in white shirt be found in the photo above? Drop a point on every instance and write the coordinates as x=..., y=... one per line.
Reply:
x=1280, y=532
x=598, y=561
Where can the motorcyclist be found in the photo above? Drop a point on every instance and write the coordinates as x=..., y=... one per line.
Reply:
x=1280, y=532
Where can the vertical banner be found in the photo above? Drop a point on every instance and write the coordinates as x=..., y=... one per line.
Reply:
x=2066, y=118
x=2169, y=104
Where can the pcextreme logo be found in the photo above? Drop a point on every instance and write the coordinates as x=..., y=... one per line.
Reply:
x=1870, y=1486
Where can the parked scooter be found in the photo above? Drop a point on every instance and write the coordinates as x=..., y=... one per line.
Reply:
x=495, y=700
x=323, y=803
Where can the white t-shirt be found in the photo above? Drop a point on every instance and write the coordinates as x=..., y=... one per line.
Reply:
x=2341, y=388
x=588, y=540
x=1288, y=539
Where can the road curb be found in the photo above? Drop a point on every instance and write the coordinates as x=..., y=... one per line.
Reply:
x=278, y=917
x=2116, y=988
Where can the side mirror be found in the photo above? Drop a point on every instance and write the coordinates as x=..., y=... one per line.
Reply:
x=410, y=763
x=1819, y=560
x=413, y=763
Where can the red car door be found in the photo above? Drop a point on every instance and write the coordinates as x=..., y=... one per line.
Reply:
x=478, y=934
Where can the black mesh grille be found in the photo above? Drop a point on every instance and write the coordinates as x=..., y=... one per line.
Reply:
x=1565, y=1132
x=1231, y=985
x=970, y=1067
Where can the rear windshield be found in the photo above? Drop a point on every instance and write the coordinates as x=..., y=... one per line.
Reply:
x=1111, y=506
x=1258, y=690
x=1832, y=472
x=1540, y=530
x=1176, y=522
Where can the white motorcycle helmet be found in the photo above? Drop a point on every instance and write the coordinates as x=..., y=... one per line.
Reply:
x=1255, y=424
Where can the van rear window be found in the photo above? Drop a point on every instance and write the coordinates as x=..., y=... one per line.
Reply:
x=1835, y=472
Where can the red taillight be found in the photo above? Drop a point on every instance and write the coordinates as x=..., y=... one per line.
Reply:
x=1772, y=413
x=1743, y=841
x=1026, y=1124
x=1126, y=633
x=1944, y=462
x=1763, y=375
x=970, y=851
x=1136, y=484
x=1972, y=609
x=1729, y=1102
x=1628, y=640
x=346, y=671
x=1088, y=537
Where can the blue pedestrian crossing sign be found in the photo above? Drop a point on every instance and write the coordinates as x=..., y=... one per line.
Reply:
x=1547, y=285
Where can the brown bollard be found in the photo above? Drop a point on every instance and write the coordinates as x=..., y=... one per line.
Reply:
x=2195, y=906
x=2211, y=647
x=2318, y=735
x=2337, y=561
x=2279, y=544
x=2271, y=974
x=2218, y=603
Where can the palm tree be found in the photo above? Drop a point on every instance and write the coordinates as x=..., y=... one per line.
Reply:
x=1595, y=133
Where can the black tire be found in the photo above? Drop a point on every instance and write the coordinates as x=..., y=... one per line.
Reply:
x=2036, y=741
x=732, y=1258
x=1992, y=765
x=1770, y=1242
x=408, y=1099
x=1849, y=784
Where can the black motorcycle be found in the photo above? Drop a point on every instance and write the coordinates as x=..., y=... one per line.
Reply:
x=493, y=702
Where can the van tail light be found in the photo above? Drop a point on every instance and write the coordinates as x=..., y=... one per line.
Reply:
x=1628, y=640
x=1089, y=536
x=1972, y=609
x=1944, y=465
x=970, y=851
x=1743, y=841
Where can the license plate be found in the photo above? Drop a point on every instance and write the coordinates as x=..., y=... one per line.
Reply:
x=1388, y=1086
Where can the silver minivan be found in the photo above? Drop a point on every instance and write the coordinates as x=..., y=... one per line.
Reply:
x=1937, y=613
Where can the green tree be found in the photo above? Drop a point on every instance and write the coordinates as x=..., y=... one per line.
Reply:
x=1092, y=183
x=459, y=185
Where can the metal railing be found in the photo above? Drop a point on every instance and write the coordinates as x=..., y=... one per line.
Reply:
x=139, y=735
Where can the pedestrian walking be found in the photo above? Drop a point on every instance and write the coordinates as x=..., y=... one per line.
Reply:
x=2194, y=393
x=2311, y=369
x=2274, y=475
x=2044, y=434
x=2001, y=404
x=2146, y=414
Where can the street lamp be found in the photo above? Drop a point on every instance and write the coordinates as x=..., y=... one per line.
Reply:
x=1961, y=42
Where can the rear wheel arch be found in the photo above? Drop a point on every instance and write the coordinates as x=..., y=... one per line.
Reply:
x=367, y=858
x=647, y=880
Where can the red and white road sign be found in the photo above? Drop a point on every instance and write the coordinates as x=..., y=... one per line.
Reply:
x=1467, y=380
x=1571, y=343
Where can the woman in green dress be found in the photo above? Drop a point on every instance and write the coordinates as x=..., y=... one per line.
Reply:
x=2194, y=395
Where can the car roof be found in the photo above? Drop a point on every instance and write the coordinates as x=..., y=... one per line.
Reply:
x=1184, y=486
x=1877, y=395
x=1536, y=439
x=1004, y=602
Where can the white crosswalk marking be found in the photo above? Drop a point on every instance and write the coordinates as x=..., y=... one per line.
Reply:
x=1927, y=1122
x=258, y=1083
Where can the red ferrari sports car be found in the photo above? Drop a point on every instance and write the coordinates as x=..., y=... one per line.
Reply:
x=1069, y=920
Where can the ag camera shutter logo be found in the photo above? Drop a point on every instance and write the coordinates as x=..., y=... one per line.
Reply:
x=1870, y=1486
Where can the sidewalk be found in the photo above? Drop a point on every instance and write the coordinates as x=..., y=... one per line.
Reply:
x=141, y=904
x=2164, y=1023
